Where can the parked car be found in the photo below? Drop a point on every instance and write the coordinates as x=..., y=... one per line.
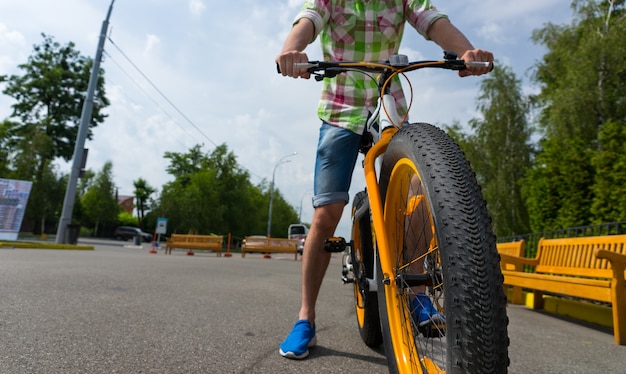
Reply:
x=129, y=232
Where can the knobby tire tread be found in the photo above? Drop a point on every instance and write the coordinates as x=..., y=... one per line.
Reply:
x=475, y=302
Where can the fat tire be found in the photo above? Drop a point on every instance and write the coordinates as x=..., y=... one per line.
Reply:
x=474, y=303
x=369, y=326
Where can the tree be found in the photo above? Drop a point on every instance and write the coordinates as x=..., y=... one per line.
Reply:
x=213, y=194
x=558, y=187
x=609, y=189
x=183, y=165
x=499, y=149
x=582, y=93
x=46, y=200
x=48, y=104
x=504, y=134
x=101, y=207
x=4, y=149
x=189, y=202
x=233, y=188
x=283, y=215
x=143, y=191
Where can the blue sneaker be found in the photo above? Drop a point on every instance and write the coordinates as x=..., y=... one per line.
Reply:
x=301, y=338
x=424, y=312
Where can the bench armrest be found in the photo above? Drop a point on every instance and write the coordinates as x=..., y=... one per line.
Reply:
x=617, y=260
x=515, y=260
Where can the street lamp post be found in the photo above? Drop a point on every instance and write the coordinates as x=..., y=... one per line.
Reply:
x=269, y=215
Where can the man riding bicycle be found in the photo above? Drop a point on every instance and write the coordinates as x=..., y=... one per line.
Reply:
x=361, y=30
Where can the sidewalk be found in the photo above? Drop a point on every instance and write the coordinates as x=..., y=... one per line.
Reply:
x=543, y=342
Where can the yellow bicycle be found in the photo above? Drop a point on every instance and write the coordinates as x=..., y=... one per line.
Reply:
x=421, y=229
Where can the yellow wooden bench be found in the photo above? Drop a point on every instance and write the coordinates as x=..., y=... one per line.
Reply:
x=269, y=245
x=586, y=267
x=197, y=242
x=516, y=249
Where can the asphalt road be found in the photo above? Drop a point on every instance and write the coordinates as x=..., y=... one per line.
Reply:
x=122, y=310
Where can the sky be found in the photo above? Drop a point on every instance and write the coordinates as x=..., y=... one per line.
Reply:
x=185, y=72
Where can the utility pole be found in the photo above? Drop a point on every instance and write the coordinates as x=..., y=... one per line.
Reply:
x=85, y=119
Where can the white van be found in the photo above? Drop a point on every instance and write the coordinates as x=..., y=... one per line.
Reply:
x=298, y=231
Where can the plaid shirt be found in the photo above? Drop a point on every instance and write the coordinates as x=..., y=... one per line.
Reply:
x=362, y=30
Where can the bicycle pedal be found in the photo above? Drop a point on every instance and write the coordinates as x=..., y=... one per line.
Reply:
x=335, y=245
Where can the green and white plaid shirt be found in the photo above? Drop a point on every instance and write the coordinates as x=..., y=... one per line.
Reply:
x=362, y=30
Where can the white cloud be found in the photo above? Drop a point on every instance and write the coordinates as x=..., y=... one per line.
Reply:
x=294, y=4
x=14, y=50
x=197, y=7
x=151, y=41
x=10, y=37
x=493, y=32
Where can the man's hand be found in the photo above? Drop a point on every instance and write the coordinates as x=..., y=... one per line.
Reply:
x=476, y=55
x=286, y=61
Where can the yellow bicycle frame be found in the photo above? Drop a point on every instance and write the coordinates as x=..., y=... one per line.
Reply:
x=371, y=181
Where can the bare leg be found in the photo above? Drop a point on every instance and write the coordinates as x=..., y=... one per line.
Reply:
x=314, y=259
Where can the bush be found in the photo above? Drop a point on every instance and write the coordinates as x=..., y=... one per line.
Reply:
x=127, y=219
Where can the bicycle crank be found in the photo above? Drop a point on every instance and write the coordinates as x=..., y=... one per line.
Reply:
x=335, y=245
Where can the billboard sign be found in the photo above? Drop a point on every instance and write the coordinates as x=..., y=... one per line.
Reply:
x=13, y=198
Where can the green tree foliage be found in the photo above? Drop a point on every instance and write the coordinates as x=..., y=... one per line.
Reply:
x=609, y=189
x=582, y=102
x=48, y=99
x=558, y=187
x=283, y=214
x=46, y=195
x=213, y=194
x=5, y=149
x=499, y=149
x=46, y=199
x=128, y=219
x=504, y=138
x=183, y=165
x=143, y=191
x=100, y=205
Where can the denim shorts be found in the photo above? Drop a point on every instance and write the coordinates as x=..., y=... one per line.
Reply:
x=337, y=152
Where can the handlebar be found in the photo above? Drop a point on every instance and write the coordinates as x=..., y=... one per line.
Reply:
x=320, y=65
x=395, y=65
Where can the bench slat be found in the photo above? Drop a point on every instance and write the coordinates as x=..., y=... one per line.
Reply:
x=575, y=271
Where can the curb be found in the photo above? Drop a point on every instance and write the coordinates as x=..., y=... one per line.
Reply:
x=36, y=245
